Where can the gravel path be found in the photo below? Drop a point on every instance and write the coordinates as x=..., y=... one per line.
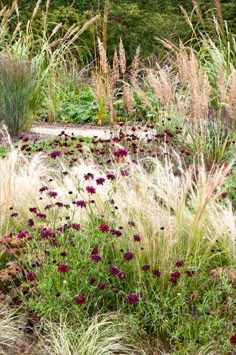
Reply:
x=50, y=130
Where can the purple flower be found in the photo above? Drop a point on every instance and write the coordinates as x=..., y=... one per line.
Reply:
x=121, y=152
x=33, y=209
x=64, y=254
x=31, y=276
x=46, y=233
x=128, y=255
x=137, y=237
x=52, y=194
x=75, y=226
x=91, y=190
x=22, y=234
x=101, y=286
x=30, y=222
x=88, y=176
x=132, y=298
x=81, y=203
x=179, y=263
x=116, y=233
x=80, y=299
x=232, y=339
x=55, y=153
x=59, y=204
x=63, y=268
x=92, y=280
x=146, y=267
x=41, y=215
x=96, y=258
x=111, y=176
x=124, y=172
x=114, y=270
x=122, y=275
x=174, y=277
x=47, y=207
x=100, y=181
x=190, y=273
x=104, y=228
x=156, y=273
x=42, y=189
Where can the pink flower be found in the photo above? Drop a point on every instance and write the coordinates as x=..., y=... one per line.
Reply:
x=63, y=268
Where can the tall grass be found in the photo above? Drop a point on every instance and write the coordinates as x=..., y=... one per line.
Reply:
x=20, y=92
x=35, y=60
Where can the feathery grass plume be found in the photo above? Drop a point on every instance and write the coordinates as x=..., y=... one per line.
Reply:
x=35, y=10
x=115, y=67
x=231, y=98
x=197, y=10
x=222, y=84
x=103, y=335
x=47, y=5
x=219, y=13
x=161, y=84
x=193, y=77
x=127, y=99
x=102, y=57
x=135, y=67
x=122, y=58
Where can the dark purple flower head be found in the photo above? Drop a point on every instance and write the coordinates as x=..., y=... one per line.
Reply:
x=88, y=176
x=75, y=226
x=101, y=286
x=124, y=172
x=63, y=268
x=48, y=207
x=146, y=267
x=137, y=237
x=91, y=190
x=42, y=189
x=156, y=273
x=64, y=254
x=80, y=299
x=92, y=280
x=179, y=263
x=104, y=228
x=121, y=152
x=116, y=233
x=174, y=277
x=41, y=215
x=100, y=181
x=122, y=275
x=190, y=273
x=22, y=234
x=33, y=209
x=95, y=250
x=52, y=194
x=30, y=222
x=46, y=233
x=81, y=203
x=31, y=276
x=132, y=298
x=96, y=258
x=59, y=204
x=232, y=339
x=114, y=270
x=55, y=153
x=128, y=255
x=111, y=176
